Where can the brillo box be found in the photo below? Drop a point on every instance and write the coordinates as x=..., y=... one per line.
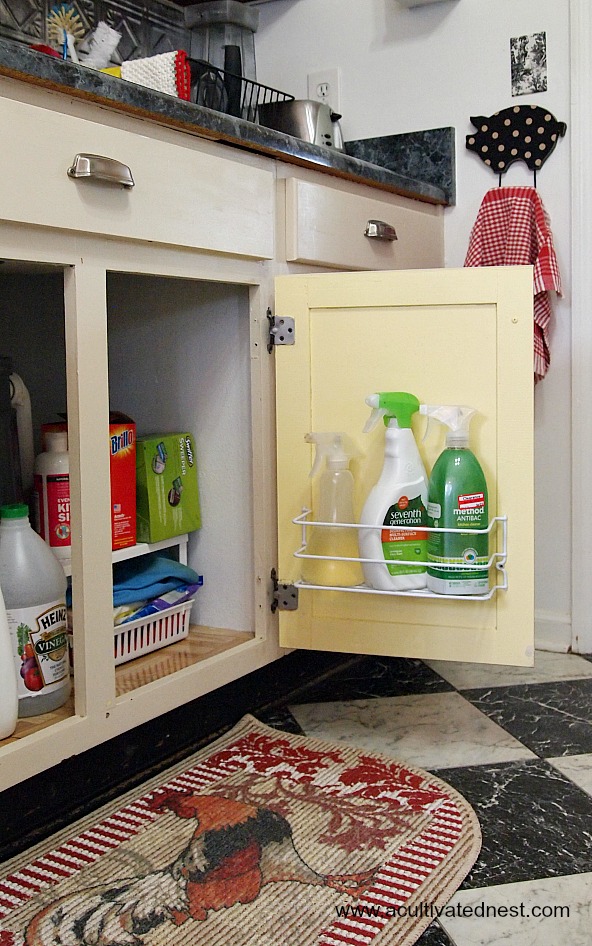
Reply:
x=122, y=466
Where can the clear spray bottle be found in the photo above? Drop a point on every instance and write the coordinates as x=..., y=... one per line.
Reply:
x=457, y=499
x=334, y=452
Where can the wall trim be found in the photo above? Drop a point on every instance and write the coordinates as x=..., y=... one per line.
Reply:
x=552, y=631
x=581, y=291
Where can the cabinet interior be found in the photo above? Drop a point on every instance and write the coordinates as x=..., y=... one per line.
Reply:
x=178, y=360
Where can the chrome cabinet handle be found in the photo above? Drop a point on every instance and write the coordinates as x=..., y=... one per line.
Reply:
x=99, y=168
x=379, y=230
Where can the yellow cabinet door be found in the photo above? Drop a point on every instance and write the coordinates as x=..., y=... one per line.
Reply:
x=449, y=336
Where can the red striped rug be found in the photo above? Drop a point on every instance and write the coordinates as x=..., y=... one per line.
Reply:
x=262, y=837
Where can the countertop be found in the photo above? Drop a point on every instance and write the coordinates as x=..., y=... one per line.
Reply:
x=19, y=62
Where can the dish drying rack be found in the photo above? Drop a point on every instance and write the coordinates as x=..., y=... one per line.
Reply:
x=497, y=559
x=232, y=94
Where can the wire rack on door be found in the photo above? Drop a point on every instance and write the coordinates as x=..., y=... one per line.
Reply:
x=232, y=94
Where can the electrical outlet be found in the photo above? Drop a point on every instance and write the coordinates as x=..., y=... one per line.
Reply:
x=323, y=86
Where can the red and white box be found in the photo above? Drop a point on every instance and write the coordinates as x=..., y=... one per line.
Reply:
x=122, y=458
x=122, y=464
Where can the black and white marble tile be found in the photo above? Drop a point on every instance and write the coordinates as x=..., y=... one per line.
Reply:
x=434, y=935
x=429, y=730
x=578, y=768
x=553, y=911
x=535, y=822
x=548, y=667
x=374, y=677
x=280, y=718
x=552, y=719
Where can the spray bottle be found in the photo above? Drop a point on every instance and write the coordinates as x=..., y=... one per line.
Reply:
x=399, y=498
x=332, y=458
x=457, y=499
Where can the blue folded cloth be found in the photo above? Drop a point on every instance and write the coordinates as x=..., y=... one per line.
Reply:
x=146, y=577
x=149, y=576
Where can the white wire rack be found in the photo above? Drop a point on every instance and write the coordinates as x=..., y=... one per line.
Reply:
x=497, y=559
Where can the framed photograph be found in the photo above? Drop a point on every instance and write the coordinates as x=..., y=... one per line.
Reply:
x=528, y=56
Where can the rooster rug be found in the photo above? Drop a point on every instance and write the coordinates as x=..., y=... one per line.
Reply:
x=262, y=837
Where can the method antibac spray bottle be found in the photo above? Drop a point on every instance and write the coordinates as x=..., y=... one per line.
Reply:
x=335, y=540
x=457, y=499
x=396, y=507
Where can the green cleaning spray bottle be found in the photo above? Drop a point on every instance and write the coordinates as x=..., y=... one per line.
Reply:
x=399, y=498
x=336, y=505
x=457, y=499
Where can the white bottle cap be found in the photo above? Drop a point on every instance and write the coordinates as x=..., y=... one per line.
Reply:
x=57, y=441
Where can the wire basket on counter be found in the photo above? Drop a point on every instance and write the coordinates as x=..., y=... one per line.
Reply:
x=232, y=94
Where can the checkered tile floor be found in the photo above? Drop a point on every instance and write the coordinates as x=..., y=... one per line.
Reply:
x=518, y=745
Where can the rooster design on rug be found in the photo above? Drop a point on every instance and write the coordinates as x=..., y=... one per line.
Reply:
x=235, y=849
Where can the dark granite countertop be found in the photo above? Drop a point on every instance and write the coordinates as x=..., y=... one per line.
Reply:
x=17, y=61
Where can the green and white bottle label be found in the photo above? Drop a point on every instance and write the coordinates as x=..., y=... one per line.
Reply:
x=406, y=545
x=450, y=548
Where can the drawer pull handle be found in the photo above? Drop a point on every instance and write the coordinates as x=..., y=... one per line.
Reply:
x=98, y=168
x=379, y=230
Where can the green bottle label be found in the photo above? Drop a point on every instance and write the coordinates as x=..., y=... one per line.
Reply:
x=458, y=500
x=406, y=545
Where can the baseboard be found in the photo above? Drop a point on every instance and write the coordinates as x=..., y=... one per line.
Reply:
x=552, y=631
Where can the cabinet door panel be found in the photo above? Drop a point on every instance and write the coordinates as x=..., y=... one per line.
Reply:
x=182, y=196
x=450, y=337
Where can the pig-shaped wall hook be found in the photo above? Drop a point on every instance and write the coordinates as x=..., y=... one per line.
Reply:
x=521, y=133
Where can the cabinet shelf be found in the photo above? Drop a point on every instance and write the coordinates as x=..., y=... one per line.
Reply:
x=497, y=559
x=203, y=643
x=143, y=548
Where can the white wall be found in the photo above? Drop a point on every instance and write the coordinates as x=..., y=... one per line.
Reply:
x=404, y=70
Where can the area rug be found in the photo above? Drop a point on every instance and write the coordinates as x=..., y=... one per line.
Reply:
x=264, y=838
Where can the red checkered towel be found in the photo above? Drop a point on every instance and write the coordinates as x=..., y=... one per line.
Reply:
x=512, y=229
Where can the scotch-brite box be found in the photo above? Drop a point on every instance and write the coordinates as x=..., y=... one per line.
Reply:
x=122, y=452
x=167, y=498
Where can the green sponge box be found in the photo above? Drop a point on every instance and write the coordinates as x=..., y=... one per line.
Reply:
x=167, y=495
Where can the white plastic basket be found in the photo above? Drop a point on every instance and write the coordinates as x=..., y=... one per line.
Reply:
x=136, y=638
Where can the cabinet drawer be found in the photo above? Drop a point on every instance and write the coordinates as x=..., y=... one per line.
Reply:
x=181, y=196
x=326, y=226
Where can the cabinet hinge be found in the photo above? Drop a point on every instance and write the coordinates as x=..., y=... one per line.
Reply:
x=285, y=597
x=281, y=331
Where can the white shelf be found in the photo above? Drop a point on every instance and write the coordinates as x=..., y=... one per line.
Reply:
x=143, y=548
x=417, y=3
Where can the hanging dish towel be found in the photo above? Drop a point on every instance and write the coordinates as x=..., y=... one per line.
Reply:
x=167, y=72
x=512, y=229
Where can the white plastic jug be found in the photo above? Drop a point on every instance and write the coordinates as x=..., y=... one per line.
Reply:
x=8, y=687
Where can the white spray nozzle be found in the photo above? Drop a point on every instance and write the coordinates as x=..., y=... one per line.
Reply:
x=377, y=414
x=456, y=417
x=337, y=448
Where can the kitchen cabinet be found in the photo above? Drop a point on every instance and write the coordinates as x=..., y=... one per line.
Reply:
x=156, y=300
x=205, y=200
x=331, y=225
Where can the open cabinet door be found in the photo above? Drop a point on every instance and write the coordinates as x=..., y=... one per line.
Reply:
x=449, y=337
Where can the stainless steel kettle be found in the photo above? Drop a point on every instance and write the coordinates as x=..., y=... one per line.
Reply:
x=304, y=118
